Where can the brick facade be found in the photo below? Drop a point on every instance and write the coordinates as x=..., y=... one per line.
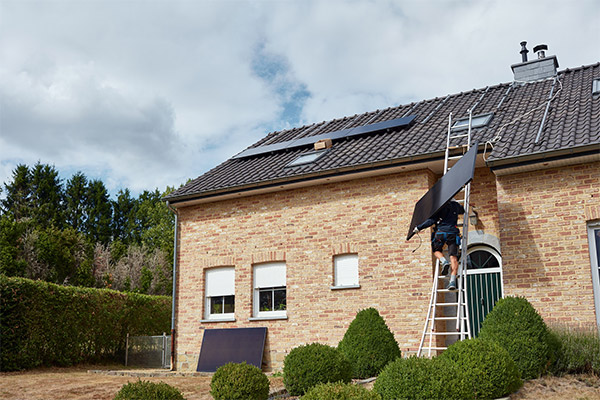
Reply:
x=306, y=227
x=545, y=252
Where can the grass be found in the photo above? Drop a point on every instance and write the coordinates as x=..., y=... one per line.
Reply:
x=579, y=351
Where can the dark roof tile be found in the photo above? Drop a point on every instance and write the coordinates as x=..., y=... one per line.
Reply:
x=573, y=120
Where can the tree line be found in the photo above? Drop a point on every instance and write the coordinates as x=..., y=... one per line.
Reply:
x=73, y=233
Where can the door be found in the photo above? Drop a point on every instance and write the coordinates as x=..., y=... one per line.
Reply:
x=484, y=284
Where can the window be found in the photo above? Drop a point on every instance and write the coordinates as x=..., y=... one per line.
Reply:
x=594, y=245
x=220, y=294
x=596, y=86
x=307, y=158
x=476, y=122
x=345, y=271
x=270, y=290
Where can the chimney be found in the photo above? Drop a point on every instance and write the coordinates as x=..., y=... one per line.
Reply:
x=542, y=68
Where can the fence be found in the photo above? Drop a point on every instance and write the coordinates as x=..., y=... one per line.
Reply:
x=148, y=351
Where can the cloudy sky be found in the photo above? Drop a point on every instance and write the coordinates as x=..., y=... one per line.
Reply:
x=145, y=94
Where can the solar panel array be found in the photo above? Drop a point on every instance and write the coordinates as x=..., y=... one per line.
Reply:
x=310, y=140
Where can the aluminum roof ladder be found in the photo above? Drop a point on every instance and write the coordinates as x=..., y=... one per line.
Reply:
x=448, y=311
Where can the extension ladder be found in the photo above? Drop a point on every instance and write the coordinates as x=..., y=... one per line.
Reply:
x=455, y=318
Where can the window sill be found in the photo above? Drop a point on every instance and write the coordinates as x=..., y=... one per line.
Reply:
x=203, y=321
x=274, y=317
x=344, y=287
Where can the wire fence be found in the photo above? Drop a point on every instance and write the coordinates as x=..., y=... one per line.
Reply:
x=148, y=351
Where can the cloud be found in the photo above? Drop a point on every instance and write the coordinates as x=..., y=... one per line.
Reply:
x=149, y=94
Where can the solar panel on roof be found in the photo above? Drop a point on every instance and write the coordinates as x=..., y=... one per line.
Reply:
x=444, y=189
x=310, y=140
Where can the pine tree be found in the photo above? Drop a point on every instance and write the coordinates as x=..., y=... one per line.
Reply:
x=46, y=196
x=75, y=201
x=99, y=212
x=124, y=215
x=18, y=194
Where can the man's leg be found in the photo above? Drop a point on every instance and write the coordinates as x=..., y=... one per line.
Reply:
x=453, y=251
x=444, y=263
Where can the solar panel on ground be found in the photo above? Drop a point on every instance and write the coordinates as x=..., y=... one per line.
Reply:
x=222, y=346
x=310, y=140
x=444, y=189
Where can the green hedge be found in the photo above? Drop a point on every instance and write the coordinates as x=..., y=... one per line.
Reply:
x=43, y=324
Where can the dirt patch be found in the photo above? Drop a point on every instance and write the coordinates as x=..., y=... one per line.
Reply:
x=76, y=383
x=571, y=387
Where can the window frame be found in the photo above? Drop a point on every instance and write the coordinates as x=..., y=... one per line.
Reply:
x=458, y=126
x=223, y=316
x=596, y=86
x=594, y=253
x=273, y=285
x=295, y=162
x=355, y=284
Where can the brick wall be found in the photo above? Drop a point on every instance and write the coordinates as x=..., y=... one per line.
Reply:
x=545, y=251
x=306, y=227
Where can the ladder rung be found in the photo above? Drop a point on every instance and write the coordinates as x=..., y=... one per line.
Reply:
x=459, y=136
x=434, y=348
x=460, y=146
x=446, y=304
x=443, y=333
x=454, y=157
x=446, y=318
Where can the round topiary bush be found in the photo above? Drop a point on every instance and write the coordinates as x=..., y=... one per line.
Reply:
x=307, y=366
x=487, y=366
x=148, y=391
x=340, y=391
x=516, y=325
x=239, y=381
x=422, y=378
x=369, y=344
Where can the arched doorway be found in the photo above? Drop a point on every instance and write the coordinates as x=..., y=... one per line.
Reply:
x=484, y=283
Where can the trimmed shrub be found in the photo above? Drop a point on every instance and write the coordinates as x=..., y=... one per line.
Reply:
x=369, y=344
x=340, y=391
x=239, y=381
x=487, y=367
x=578, y=350
x=422, y=378
x=43, y=324
x=307, y=366
x=148, y=391
x=516, y=325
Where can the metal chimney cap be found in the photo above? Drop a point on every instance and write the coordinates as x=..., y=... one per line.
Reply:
x=540, y=47
x=524, y=51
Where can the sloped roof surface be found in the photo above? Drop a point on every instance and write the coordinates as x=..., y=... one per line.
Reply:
x=573, y=120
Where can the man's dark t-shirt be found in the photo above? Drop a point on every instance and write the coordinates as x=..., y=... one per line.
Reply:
x=445, y=219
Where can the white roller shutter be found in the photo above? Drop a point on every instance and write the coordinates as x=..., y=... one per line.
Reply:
x=269, y=275
x=346, y=269
x=220, y=282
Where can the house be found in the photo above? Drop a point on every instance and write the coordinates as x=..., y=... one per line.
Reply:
x=308, y=225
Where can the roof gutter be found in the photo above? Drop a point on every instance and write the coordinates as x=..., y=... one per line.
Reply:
x=543, y=157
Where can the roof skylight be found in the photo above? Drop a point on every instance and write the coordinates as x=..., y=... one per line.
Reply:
x=307, y=158
x=476, y=122
x=596, y=86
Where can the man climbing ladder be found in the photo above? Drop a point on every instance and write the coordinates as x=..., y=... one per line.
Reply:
x=445, y=231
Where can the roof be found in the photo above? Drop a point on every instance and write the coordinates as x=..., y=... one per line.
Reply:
x=572, y=123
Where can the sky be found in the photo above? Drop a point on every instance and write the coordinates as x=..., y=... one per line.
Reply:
x=149, y=94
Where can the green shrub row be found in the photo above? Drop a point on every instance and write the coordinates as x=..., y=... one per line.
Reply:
x=43, y=324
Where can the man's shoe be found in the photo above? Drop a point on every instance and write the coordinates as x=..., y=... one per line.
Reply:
x=445, y=268
x=451, y=285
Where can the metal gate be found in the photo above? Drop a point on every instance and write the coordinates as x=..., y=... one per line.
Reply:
x=148, y=351
x=484, y=284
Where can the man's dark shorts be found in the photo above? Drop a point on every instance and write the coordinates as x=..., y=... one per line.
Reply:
x=450, y=239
